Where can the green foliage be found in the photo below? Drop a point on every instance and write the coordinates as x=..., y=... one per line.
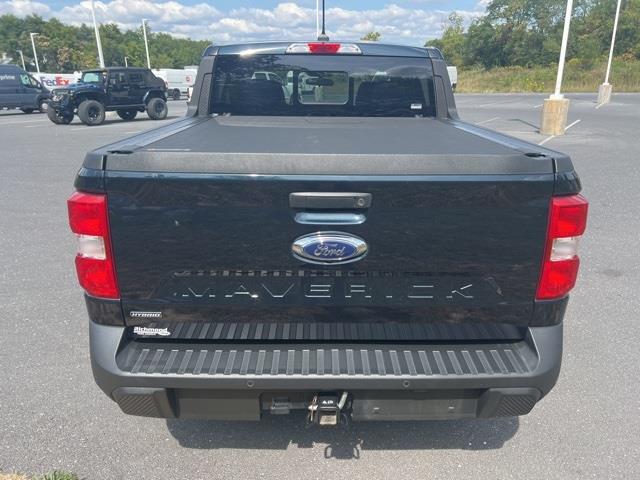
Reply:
x=65, y=48
x=371, y=37
x=453, y=39
x=57, y=475
x=578, y=77
x=527, y=33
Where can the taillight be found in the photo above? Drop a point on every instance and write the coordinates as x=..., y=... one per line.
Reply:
x=89, y=220
x=567, y=222
x=324, y=48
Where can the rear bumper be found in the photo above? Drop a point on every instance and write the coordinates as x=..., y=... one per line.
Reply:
x=386, y=381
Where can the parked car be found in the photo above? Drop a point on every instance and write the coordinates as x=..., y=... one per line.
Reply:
x=126, y=91
x=453, y=77
x=176, y=80
x=357, y=253
x=19, y=89
x=267, y=76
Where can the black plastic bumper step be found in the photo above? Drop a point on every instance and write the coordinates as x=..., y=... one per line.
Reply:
x=499, y=359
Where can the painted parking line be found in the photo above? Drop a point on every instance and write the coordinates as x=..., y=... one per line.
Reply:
x=496, y=103
x=574, y=123
x=522, y=101
x=487, y=121
x=100, y=127
x=25, y=122
x=519, y=132
x=554, y=136
x=546, y=140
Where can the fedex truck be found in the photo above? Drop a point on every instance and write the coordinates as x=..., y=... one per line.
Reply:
x=177, y=80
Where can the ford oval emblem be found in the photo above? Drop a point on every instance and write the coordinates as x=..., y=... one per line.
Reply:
x=329, y=248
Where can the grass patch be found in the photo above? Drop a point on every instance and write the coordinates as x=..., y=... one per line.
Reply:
x=578, y=77
x=55, y=475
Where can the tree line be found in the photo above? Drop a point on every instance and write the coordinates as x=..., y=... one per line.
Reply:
x=511, y=33
x=66, y=48
x=527, y=33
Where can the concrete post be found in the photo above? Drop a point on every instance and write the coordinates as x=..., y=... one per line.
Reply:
x=556, y=107
x=604, y=93
x=605, y=89
x=554, y=116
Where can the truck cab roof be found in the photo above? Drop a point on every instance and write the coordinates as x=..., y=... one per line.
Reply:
x=366, y=48
x=115, y=69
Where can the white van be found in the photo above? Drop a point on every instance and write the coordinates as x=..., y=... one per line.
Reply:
x=177, y=81
x=453, y=76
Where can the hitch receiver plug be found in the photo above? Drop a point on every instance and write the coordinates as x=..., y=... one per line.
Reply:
x=326, y=408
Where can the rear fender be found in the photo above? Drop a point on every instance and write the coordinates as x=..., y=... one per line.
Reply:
x=153, y=94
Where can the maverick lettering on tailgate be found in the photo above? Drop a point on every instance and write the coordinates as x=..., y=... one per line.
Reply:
x=328, y=288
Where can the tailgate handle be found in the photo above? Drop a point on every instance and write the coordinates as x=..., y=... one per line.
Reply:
x=330, y=218
x=329, y=200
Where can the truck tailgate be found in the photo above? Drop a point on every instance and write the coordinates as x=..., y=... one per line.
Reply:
x=202, y=228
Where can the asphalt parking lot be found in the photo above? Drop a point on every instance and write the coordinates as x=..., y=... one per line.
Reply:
x=52, y=416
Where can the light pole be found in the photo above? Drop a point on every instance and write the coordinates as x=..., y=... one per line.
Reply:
x=126, y=63
x=35, y=55
x=556, y=107
x=317, y=18
x=22, y=58
x=146, y=44
x=563, y=50
x=97, y=30
x=604, y=92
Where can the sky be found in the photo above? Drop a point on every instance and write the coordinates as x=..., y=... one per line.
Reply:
x=408, y=22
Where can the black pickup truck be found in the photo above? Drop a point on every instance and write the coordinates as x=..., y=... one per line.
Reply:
x=328, y=236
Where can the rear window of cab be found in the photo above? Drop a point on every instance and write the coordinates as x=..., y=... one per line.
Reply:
x=323, y=85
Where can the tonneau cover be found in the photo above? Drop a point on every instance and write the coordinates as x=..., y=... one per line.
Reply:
x=326, y=146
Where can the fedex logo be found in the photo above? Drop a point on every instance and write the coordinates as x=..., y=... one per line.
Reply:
x=57, y=80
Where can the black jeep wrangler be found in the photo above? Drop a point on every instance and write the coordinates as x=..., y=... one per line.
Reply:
x=126, y=91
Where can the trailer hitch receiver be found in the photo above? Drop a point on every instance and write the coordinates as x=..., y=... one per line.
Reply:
x=328, y=408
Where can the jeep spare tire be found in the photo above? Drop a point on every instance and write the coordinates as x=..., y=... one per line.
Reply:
x=91, y=112
x=127, y=114
x=157, y=109
x=59, y=118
